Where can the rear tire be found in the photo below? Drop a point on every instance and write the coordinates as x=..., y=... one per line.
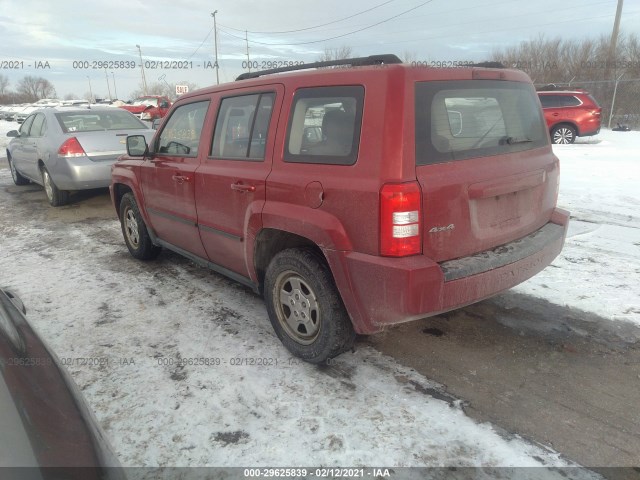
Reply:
x=134, y=230
x=56, y=197
x=15, y=174
x=305, y=308
x=563, y=134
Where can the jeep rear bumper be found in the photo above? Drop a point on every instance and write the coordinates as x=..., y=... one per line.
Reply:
x=384, y=291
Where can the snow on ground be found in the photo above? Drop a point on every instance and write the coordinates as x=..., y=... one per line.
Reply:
x=600, y=263
x=4, y=140
x=172, y=386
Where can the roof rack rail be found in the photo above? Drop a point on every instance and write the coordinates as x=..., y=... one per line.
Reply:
x=489, y=64
x=354, y=62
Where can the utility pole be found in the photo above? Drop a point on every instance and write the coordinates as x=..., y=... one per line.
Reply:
x=614, y=35
x=613, y=101
x=144, y=80
x=611, y=57
x=90, y=90
x=246, y=39
x=115, y=90
x=106, y=76
x=215, y=44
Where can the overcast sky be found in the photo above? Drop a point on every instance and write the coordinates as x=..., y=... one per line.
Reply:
x=62, y=32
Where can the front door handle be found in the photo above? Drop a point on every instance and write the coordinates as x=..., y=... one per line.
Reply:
x=241, y=187
x=180, y=178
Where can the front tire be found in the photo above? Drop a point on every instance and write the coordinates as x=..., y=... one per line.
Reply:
x=305, y=308
x=15, y=174
x=56, y=197
x=563, y=134
x=134, y=230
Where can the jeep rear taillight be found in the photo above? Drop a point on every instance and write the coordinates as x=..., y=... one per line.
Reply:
x=71, y=148
x=400, y=219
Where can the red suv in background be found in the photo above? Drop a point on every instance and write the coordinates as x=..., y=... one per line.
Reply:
x=570, y=114
x=351, y=198
x=149, y=107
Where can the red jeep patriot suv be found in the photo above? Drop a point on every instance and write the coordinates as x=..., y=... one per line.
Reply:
x=351, y=198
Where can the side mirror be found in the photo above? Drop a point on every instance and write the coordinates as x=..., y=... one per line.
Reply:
x=156, y=123
x=137, y=146
x=13, y=133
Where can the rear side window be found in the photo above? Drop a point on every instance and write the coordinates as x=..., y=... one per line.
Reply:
x=324, y=125
x=181, y=134
x=477, y=118
x=39, y=127
x=242, y=127
x=557, y=101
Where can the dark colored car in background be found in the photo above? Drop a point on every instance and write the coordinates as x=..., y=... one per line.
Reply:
x=46, y=428
x=570, y=114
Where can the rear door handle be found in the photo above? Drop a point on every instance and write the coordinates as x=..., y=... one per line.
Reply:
x=241, y=187
x=180, y=178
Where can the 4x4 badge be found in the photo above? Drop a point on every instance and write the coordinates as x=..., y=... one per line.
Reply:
x=451, y=226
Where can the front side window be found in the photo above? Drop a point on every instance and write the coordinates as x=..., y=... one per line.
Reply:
x=181, y=134
x=26, y=125
x=324, y=126
x=477, y=118
x=242, y=127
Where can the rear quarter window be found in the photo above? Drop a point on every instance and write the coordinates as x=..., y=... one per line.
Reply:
x=477, y=118
x=324, y=125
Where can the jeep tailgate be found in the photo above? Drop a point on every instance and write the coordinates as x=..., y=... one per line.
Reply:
x=484, y=164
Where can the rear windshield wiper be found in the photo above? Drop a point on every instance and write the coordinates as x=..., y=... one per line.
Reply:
x=514, y=140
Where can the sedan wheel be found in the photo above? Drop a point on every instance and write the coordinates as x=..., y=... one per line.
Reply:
x=55, y=196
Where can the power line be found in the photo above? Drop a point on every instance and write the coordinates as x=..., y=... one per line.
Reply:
x=493, y=30
x=315, y=26
x=201, y=44
x=337, y=36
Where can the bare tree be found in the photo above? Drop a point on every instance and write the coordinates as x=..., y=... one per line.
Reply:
x=336, y=53
x=35, y=88
x=570, y=63
x=4, y=83
x=408, y=57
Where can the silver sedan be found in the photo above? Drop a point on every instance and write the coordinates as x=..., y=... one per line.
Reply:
x=67, y=149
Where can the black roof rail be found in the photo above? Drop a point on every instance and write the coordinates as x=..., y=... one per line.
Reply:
x=354, y=62
x=490, y=64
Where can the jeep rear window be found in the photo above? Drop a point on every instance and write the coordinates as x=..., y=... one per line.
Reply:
x=324, y=126
x=476, y=118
